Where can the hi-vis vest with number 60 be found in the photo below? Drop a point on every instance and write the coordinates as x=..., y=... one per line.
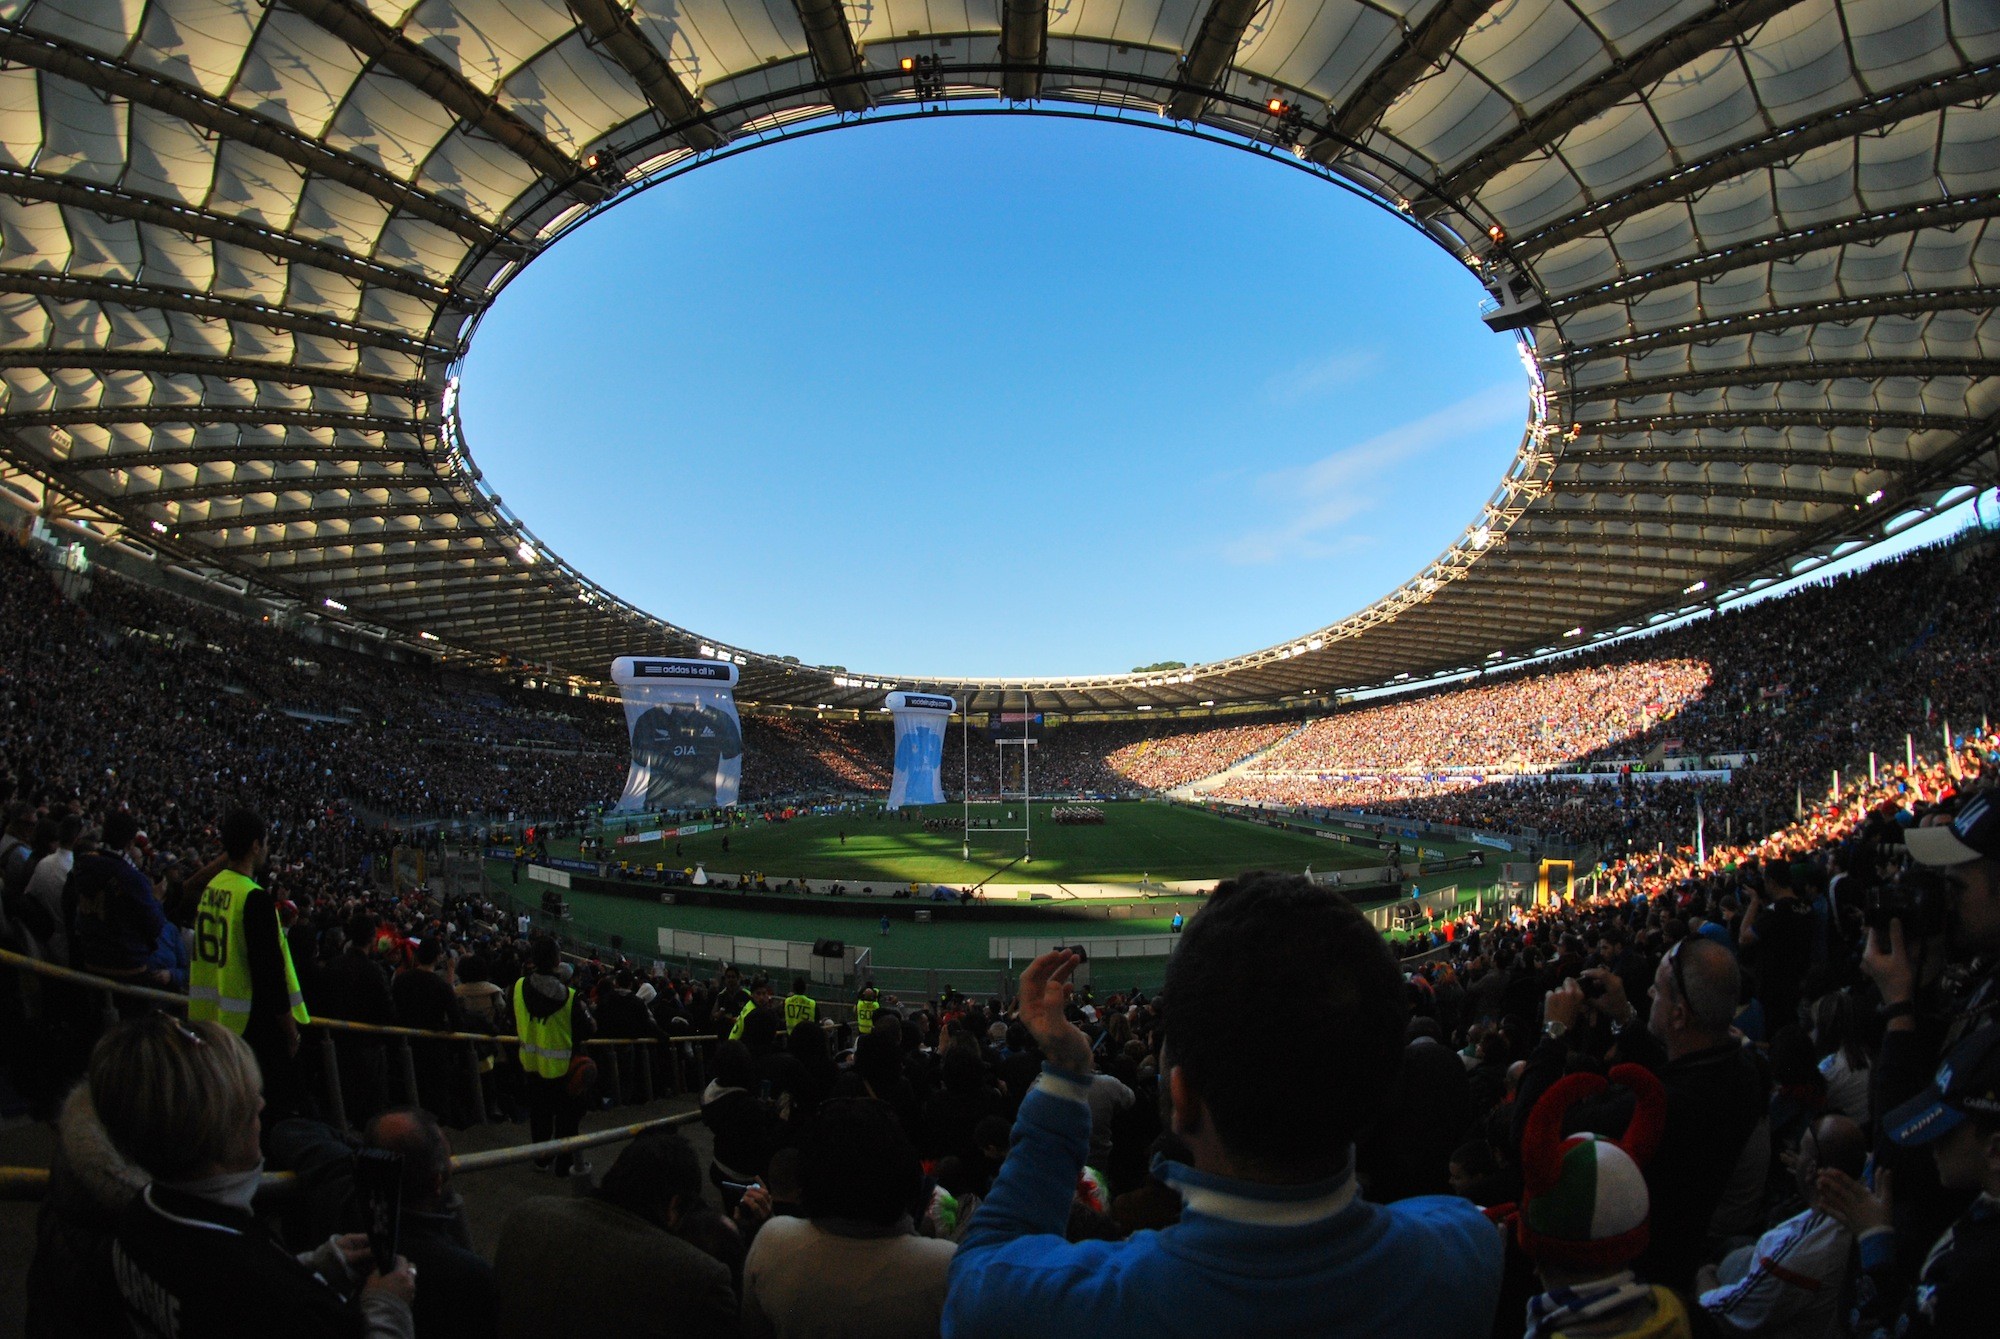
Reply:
x=219, y=975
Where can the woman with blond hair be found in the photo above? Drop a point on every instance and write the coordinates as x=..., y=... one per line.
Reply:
x=182, y=1102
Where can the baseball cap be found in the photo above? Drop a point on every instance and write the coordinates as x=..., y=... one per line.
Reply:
x=1967, y=1084
x=1974, y=834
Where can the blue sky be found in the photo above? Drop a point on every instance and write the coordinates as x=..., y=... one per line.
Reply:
x=994, y=396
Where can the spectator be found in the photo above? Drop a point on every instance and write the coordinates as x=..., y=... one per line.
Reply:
x=1710, y=1157
x=1789, y=1284
x=114, y=919
x=424, y=999
x=1584, y=1217
x=180, y=1101
x=862, y=1187
x=744, y=1125
x=1271, y=1117
x=460, y=1297
x=1956, y=1290
x=611, y=1261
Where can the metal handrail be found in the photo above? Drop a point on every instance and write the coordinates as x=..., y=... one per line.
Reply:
x=91, y=981
x=32, y=1183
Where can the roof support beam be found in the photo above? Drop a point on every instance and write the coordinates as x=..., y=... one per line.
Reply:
x=1880, y=420
x=1422, y=48
x=161, y=212
x=65, y=288
x=1729, y=455
x=202, y=365
x=1777, y=374
x=1728, y=21
x=467, y=529
x=1208, y=59
x=1024, y=46
x=1598, y=517
x=1787, y=246
x=624, y=41
x=200, y=415
x=1851, y=121
x=377, y=41
x=372, y=511
x=118, y=79
x=226, y=490
x=207, y=455
x=1586, y=533
x=834, y=55
x=1702, y=488
x=1816, y=313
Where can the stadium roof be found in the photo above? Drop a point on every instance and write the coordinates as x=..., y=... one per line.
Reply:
x=246, y=242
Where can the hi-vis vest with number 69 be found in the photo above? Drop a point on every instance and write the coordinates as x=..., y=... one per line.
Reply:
x=219, y=975
x=546, y=1043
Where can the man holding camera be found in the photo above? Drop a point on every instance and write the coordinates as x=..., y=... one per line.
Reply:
x=1710, y=1154
x=1921, y=960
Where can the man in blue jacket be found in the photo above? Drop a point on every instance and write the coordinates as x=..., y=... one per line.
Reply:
x=1284, y=1032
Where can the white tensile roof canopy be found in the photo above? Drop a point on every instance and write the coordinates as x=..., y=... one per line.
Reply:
x=1750, y=240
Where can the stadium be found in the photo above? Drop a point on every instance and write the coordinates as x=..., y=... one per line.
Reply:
x=380, y=886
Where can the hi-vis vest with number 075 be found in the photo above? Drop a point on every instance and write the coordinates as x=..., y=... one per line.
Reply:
x=546, y=1043
x=800, y=1009
x=219, y=974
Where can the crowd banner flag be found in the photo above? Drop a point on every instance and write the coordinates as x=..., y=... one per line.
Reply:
x=920, y=721
x=687, y=744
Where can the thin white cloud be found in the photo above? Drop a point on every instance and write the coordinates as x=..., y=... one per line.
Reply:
x=1339, y=368
x=1310, y=501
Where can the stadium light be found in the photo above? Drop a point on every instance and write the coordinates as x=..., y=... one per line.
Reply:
x=528, y=554
x=1144, y=707
x=1312, y=645
x=909, y=63
x=427, y=636
x=707, y=650
x=334, y=605
x=1277, y=107
x=159, y=527
x=1873, y=498
x=1209, y=703
x=1574, y=632
x=1696, y=589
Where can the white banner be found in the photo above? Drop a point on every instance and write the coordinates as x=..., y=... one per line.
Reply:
x=687, y=745
x=920, y=722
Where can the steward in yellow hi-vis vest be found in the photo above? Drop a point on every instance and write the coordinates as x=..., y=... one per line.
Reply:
x=546, y=1043
x=799, y=1006
x=761, y=997
x=864, y=1010
x=236, y=925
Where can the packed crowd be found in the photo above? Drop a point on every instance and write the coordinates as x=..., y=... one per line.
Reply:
x=1174, y=759
x=1532, y=721
x=1800, y=687
x=1754, y=1090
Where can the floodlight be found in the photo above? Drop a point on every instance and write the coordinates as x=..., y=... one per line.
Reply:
x=1498, y=234
x=1873, y=497
x=159, y=528
x=909, y=64
x=1696, y=589
x=427, y=636
x=1277, y=107
x=334, y=605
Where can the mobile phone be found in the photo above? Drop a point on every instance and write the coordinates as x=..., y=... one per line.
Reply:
x=740, y=1187
x=378, y=1178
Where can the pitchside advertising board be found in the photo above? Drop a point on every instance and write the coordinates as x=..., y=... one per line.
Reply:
x=920, y=722
x=687, y=745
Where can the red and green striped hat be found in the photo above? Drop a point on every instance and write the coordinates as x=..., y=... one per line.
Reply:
x=1584, y=1202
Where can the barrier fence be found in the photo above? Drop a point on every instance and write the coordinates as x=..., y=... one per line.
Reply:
x=631, y=1069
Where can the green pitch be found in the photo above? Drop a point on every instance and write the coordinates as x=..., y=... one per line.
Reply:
x=1137, y=841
